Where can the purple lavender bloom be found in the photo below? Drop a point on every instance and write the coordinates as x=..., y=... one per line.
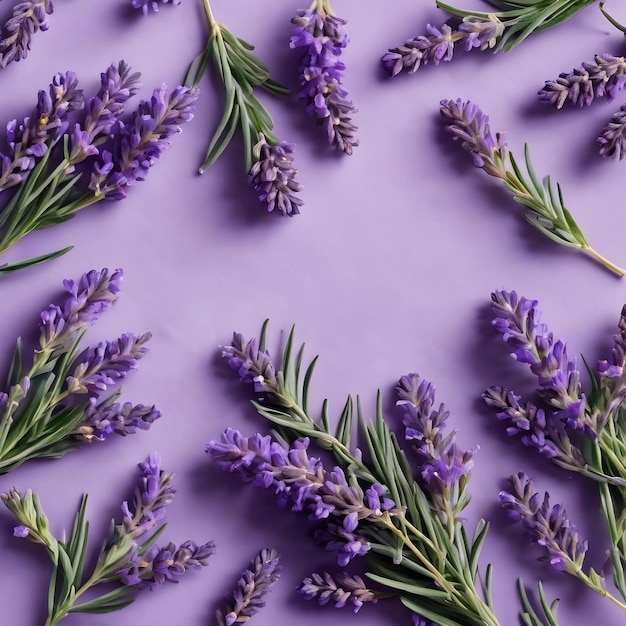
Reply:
x=152, y=494
x=273, y=177
x=21, y=531
x=30, y=139
x=151, y=6
x=538, y=428
x=106, y=364
x=547, y=526
x=296, y=478
x=418, y=620
x=342, y=539
x=438, y=44
x=612, y=140
x=604, y=77
x=253, y=365
x=469, y=125
x=342, y=588
x=248, y=597
x=106, y=418
x=442, y=462
x=139, y=144
x=320, y=38
x=517, y=319
x=166, y=564
x=27, y=19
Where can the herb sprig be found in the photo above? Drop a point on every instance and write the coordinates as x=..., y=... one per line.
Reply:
x=130, y=559
x=59, y=401
x=267, y=160
x=545, y=208
x=416, y=544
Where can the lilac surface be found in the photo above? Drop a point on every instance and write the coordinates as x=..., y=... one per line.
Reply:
x=388, y=270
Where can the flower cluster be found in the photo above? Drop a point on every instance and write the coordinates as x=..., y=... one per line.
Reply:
x=79, y=407
x=438, y=44
x=248, y=597
x=341, y=588
x=320, y=38
x=129, y=559
x=151, y=6
x=604, y=77
x=113, y=153
x=28, y=18
x=544, y=206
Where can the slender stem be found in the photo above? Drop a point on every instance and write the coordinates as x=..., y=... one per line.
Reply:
x=604, y=261
x=209, y=13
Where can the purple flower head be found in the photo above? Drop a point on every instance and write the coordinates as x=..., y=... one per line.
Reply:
x=166, y=564
x=248, y=597
x=30, y=139
x=106, y=418
x=548, y=527
x=342, y=589
x=152, y=494
x=517, y=319
x=605, y=76
x=481, y=32
x=151, y=6
x=253, y=365
x=21, y=531
x=341, y=538
x=273, y=176
x=320, y=39
x=100, y=367
x=612, y=140
x=470, y=126
x=140, y=143
x=538, y=428
x=418, y=620
x=17, y=34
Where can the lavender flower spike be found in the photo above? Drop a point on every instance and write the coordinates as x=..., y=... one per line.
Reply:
x=342, y=588
x=27, y=19
x=249, y=594
x=612, y=140
x=604, y=77
x=148, y=6
x=320, y=38
x=273, y=177
x=438, y=44
x=549, y=527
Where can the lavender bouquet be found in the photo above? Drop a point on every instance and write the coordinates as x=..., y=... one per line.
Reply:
x=268, y=161
x=581, y=431
x=47, y=158
x=28, y=18
x=62, y=400
x=403, y=516
x=129, y=560
x=320, y=37
x=545, y=208
x=497, y=30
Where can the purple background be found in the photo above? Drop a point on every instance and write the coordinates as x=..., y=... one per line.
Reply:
x=388, y=270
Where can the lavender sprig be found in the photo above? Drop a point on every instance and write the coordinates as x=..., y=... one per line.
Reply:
x=56, y=404
x=28, y=18
x=550, y=528
x=268, y=161
x=320, y=38
x=129, y=560
x=612, y=140
x=125, y=151
x=248, y=597
x=373, y=509
x=545, y=209
x=580, y=431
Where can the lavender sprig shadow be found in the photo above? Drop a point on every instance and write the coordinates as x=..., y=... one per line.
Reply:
x=268, y=161
x=495, y=30
x=545, y=207
x=581, y=431
x=406, y=522
x=129, y=560
x=63, y=399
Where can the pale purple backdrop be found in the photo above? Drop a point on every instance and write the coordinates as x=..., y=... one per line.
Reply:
x=388, y=270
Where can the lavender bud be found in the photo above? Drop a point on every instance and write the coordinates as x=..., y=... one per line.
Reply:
x=612, y=141
x=342, y=588
x=151, y=6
